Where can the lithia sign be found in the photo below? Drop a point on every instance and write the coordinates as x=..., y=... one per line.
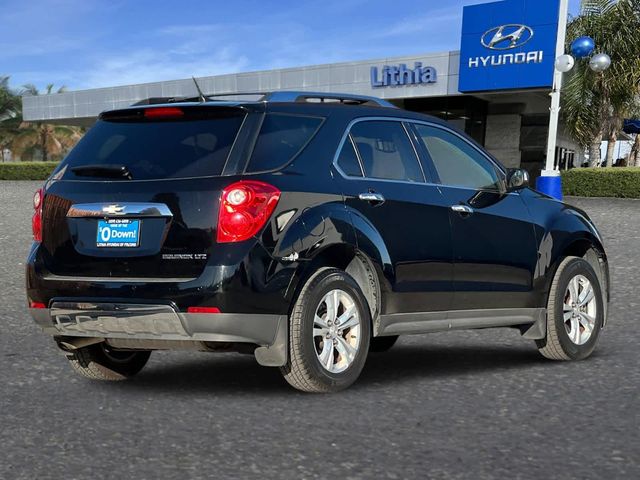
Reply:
x=396, y=75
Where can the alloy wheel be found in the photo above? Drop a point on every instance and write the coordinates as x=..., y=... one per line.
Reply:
x=579, y=309
x=336, y=331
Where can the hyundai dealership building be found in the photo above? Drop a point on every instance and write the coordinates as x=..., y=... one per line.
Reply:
x=495, y=88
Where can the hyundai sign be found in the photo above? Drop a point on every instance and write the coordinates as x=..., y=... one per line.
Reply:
x=508, y=45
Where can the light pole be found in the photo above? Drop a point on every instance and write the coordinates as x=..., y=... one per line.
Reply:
x=583, y=47
x=549, y=181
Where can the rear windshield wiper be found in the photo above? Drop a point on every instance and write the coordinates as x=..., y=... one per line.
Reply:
x=103, y=170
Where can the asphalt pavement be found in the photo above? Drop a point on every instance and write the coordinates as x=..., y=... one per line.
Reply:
x=479, y=404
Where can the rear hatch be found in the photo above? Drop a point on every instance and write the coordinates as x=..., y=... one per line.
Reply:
x=138, y=196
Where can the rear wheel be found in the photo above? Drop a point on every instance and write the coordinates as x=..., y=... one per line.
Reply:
x=575, y=312
x=100, y=362
x=329, y=333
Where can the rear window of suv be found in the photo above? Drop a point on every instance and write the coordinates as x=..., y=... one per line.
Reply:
x=193, y=146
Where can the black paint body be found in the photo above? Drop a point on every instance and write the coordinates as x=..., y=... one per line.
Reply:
x=426, y=256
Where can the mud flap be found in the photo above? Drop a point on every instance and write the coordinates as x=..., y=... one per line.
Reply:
x=275, y=355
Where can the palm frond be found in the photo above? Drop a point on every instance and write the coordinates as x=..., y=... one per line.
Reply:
x=594, y=103
x=29, y=89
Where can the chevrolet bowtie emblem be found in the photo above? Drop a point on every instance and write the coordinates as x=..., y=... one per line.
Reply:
x=506, y=37
x=113, y=209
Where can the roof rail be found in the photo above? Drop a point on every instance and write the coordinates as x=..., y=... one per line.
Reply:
x=280, y=96
x=346, y=98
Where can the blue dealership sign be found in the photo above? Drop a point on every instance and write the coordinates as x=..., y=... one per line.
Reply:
x=397, y=75
x=508, y=45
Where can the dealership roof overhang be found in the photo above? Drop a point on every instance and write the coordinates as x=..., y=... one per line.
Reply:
x=83, y=106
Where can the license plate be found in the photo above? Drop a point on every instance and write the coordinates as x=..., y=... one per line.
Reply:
x=118, y=233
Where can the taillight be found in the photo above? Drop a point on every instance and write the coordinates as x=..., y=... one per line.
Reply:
x=203, y=310
x=37, y=305
x=245, y=207
x=36, y=220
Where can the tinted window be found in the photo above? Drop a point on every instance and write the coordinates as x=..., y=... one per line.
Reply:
x=281, y=138
x=348, y=160
x=457, y=162
x=159, y=149
x=386, y=151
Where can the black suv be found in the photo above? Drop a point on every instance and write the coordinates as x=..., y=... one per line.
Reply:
x=308, y=229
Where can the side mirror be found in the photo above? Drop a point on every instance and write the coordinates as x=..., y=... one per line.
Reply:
x=517, y=179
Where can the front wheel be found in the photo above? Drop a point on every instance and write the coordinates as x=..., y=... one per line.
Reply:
x=329, y=333
x=575, y=312
x=100, y=362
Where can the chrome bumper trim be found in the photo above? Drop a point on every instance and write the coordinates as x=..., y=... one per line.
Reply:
x=127, y=209
x=162, y=322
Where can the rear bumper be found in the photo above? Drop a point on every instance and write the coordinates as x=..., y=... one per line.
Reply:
x=163, y=323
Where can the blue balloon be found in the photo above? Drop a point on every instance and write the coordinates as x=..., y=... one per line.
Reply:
x=582, y=47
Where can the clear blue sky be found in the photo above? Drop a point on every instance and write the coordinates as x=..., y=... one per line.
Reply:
x=96, y=43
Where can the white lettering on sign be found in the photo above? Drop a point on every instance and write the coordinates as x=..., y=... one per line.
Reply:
x=506, y=59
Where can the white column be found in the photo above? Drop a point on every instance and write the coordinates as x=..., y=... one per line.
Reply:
x=555, y=92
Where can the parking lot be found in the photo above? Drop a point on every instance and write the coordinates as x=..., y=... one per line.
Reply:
x=480, y=404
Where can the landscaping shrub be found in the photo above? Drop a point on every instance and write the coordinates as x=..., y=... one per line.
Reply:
x=26, y=170
x=602, y=182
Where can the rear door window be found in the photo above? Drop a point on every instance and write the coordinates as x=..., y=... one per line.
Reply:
x=386, y=151
x=282, y=137
x=174, y=148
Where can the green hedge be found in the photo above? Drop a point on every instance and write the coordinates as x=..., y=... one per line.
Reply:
x=602, y=182
x=26, y=170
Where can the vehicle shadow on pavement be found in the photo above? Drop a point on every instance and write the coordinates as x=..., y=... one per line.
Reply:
x=232, y=374
x=407, y=362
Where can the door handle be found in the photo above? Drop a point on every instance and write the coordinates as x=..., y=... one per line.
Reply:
x=372, y=197
x=462, y=209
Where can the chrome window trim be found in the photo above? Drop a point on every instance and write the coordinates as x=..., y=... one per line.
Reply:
x=415, y=151
x=358, y=159
x=347, y=132
x=355, y=150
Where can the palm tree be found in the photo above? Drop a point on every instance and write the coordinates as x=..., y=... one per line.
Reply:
x=46, y=139
x=595, y=104
x=634, y=156
x=9, y=101
x=9, y=115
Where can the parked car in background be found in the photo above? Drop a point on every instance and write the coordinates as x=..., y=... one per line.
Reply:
x=308, y=229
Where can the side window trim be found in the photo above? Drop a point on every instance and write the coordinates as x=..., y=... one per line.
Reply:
x=423, y=156
x=243, y=144
x=357, y=152
x=347, y=136
x=409, y=134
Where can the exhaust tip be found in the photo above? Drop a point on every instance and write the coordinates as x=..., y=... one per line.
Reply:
x=72, y=344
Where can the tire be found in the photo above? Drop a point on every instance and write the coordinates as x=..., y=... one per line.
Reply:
x=382, y=344
x=99, y=362
x=570, y=335
x=338, y=369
